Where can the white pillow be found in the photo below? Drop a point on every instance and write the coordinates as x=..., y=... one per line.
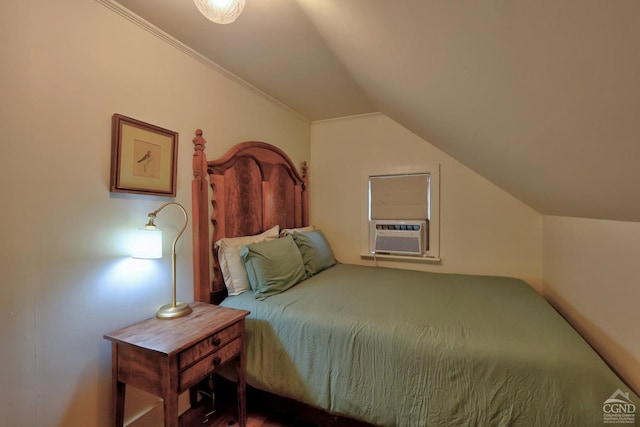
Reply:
x=231, y=264
x=286, y=231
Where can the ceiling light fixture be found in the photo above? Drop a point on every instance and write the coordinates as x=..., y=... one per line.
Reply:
x=220, y=11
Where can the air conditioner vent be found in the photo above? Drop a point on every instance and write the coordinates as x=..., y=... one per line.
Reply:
x=398, y=237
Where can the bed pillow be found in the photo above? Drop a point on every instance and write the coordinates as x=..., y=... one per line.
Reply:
x=316, y=252
x=273, y=266
x=231, y=264
x=286, y=231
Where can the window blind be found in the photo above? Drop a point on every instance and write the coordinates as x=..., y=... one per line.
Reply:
x=399, y=196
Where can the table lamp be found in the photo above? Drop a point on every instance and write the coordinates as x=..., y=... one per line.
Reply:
x=149, y=246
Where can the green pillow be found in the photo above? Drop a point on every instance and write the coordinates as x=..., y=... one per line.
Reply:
x=273, y=266
x=316, y=251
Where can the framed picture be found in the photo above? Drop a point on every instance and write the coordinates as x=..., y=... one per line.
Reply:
x=143, y=158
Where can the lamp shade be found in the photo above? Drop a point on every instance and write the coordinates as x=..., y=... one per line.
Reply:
x=220, y=11
x=148, y=243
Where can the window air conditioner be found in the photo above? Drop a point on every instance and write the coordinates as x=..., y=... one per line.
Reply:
x=400, y=237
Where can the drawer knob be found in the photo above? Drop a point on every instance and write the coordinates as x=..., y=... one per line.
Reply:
x=216, y=341
x=216, y=361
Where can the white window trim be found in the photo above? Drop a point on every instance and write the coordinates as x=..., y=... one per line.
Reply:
x=431, y=168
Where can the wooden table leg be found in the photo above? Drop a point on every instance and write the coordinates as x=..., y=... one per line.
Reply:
x=118, y=401
x=118, y=389
x=242, y=391
x=170, y=391
x=193, y=397
x=171, y=410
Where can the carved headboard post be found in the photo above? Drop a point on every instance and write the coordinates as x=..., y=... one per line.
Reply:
x=305, y=194
x=199, y=200
x=218, y=218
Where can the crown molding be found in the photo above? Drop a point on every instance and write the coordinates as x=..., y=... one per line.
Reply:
x=149, y=27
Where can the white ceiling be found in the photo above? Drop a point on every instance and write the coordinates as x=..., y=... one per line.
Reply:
x=541, y=97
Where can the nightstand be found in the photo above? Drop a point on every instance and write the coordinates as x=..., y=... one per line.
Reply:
x=168, y=357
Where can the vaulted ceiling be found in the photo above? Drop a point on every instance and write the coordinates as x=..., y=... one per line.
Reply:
x=541, y=97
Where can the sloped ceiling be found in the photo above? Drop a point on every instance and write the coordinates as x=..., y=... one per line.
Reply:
x=541, y=97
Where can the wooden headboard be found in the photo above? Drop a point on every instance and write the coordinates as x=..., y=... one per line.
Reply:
x=254, y=187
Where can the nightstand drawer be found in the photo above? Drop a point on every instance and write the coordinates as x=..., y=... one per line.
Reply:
x=192, y=375
x=209, y=344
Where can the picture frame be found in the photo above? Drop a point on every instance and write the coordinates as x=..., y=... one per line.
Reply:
x=143, y=158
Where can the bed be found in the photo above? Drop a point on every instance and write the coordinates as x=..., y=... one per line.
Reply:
x=383, y=346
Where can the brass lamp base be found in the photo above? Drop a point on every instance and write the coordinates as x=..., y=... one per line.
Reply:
x=170, y=311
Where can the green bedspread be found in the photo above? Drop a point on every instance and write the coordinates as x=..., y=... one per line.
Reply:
x=405, y=348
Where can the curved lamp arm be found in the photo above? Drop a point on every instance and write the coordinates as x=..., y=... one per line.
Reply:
x=175, y=309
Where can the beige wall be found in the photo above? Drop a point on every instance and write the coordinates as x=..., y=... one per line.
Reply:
x=483, y=230
x=591, y=273
x=66, y=275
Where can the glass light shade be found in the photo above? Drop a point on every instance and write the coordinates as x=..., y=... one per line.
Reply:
x=148, y=244
x=220, y=11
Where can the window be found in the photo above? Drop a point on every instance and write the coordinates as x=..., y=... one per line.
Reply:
x=399, y=196
x=405, y=193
